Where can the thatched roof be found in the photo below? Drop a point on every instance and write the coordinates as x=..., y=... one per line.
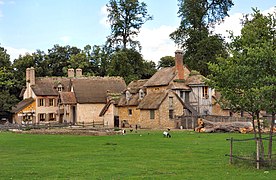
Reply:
x=68, y=98
x=195, y=80
x=22, y=104
x=94, y=90
x=47, y=86
x=133, y=88
x=162, y=77
x=153, y=100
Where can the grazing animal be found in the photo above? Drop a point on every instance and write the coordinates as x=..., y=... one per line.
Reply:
x=166, y=134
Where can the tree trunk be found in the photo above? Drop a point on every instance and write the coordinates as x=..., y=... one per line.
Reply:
x=209, y=126
x=270, y=137
x=260, y=136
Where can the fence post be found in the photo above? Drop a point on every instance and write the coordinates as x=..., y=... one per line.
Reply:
x=258, y=154
x=231, y=151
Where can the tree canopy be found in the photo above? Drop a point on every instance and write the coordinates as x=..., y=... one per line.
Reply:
x=194, y=35
x=126, y=18
x=247, y=78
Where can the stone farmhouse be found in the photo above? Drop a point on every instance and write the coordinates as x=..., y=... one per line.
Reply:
x=170, y=92
x=72, y=99
x=152, y=103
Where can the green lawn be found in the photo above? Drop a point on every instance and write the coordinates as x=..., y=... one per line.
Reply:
x=187, y=155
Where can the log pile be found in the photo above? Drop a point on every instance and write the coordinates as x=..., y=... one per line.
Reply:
x=209, y=126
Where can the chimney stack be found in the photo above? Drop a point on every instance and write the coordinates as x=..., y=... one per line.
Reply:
x=71, y=73
x=31, y=76
x=78, y=72
x=179, y=64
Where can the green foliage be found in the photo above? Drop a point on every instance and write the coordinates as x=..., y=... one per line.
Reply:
x=130, y=65
x=142, y=155
x=126, y=18
x=200, y=45
x=247, y=78
x=8, y=83
x=4, y=58
x=166, y=61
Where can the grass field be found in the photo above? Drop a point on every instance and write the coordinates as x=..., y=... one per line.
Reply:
x=187, y=155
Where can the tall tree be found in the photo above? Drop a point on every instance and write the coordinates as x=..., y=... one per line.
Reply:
x=193, y=35
x=130, y=65
x=58, y=58
x=166, y=61
x=7, y=83
x=126, y=18
x=247, y=79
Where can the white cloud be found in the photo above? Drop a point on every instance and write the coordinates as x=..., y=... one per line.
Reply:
x=104, y=19
x=233, y=23
x=14, y=53
x=156, y=43
x=65, y=39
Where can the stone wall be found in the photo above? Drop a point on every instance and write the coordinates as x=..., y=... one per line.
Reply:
x=162, y=119
x=88, y=113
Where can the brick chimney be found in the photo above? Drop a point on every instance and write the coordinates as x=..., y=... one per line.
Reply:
x=78, y=72
x=179, y=64
x=71, y=72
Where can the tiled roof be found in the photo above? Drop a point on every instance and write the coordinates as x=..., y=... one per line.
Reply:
x=22, y=104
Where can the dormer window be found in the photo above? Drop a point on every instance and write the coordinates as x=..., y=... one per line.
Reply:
x=141, y=94
x=128, y=95
x=59, y=88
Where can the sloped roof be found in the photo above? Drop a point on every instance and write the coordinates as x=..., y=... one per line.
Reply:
x=134, y=100
x=135, y=86
x=22, y=104
x=95, y=89
x=46, y=86
x=179, y=85
x=68, y=98
x=195, y=80
x=153, y=100
x=162, y=77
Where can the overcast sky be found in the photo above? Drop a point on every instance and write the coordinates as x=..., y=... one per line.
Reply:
x=28, y=25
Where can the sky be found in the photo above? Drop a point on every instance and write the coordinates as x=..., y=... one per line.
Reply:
x=29, y=25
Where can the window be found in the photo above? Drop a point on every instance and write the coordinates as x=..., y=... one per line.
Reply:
x=170, y=102
x=152, y=114
x=52, y=117
x=42, y=117
x=182, y=94
x=205, y=92
x=41, y=102
x=171, y=114
x=141, y=94
x=130, y=112
x=59, y=88
x=51, y=102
